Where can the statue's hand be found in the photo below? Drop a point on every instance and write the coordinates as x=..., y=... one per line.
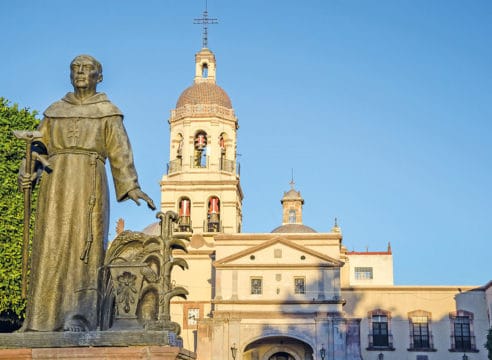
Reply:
x=26, y=181
x=137, y=194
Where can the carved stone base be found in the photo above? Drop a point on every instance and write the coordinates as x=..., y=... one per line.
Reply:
x=99, y=353
x=91, y=338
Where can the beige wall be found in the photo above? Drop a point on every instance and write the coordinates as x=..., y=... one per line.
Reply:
x=399, y=301
x=381, y=264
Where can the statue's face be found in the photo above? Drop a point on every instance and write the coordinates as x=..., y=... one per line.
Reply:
x=84, y=74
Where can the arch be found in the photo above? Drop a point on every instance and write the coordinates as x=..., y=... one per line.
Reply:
x=204, y=69
x=276, y=342
x=277, y=334
x=282, y=349
x=200, y=141
x=224, y=141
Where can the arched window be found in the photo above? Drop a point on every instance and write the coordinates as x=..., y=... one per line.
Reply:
x=213, y=215
x=200, y=155
x=462, y=335
x=205, y=70
x=222, y=145
x=380, y=330
x=292, y=216
x=420, y=334
x=184, y=211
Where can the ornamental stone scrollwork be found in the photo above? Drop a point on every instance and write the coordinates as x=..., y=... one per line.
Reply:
x=126, y=290
x=137, y=287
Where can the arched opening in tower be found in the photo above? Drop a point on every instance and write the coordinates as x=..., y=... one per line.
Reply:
x=213, y=216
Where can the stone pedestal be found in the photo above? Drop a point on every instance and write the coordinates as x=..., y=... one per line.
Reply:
x=99, y=353
x=93, y=345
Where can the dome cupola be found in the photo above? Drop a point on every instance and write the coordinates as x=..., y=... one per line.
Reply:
x=292, y=202
x=204, y=91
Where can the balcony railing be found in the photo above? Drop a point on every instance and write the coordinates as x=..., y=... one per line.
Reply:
x=421, y=343
x=227, y=165
x=198, y=162
x=463, y=343
x=184, y=224
x=212, y=226
x=379, y=342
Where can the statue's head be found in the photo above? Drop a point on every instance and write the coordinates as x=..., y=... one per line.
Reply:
x=85, y=73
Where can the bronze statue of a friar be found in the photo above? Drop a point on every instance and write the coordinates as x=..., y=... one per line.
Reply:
x=79, y=134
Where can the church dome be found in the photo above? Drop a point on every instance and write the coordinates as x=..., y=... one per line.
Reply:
x=293, y=229
x=153, y=229
x=204, y=93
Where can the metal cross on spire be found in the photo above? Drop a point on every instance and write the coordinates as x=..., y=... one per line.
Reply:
x=292, y=182
x=204, y=21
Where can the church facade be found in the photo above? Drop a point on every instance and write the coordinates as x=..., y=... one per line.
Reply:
x=293, y=293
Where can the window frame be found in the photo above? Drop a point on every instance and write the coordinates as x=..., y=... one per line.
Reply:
x=303, y=291
x=375, y=330
x=470, y=343
x=363, y=273
x=187, y=306
x=417, y=338
x=253, y=290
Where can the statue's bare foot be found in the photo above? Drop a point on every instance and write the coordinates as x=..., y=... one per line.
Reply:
x=75, y=325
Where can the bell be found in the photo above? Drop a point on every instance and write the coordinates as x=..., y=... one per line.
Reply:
x=200, y=141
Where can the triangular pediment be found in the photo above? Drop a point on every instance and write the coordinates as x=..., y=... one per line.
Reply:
x=278, y=252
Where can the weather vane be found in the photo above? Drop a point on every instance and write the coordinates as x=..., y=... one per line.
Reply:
x=204, y=21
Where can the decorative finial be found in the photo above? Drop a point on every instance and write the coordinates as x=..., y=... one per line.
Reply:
x=120, y=226
x=292, y=183
x=335, y=227
x=389, y=248
x=204, y=21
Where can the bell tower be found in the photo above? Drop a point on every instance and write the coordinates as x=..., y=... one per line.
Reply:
x=202, y=180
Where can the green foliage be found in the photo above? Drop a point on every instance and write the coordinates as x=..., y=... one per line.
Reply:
x=488, y=344
x=12, y=151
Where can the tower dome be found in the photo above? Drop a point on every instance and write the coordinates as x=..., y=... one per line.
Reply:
x=204, y=93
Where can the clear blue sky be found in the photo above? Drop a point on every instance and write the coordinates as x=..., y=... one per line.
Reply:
x=382, y=108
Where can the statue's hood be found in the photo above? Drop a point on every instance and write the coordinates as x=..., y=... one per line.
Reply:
x=96, y=106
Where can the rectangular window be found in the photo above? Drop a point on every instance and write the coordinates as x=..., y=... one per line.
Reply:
x=420, y=332
x=256, y=286
x=363, y=273
x=299, y=285
x=277, y=253
x=193, y=316
x=380, y=330
x=462, y=333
